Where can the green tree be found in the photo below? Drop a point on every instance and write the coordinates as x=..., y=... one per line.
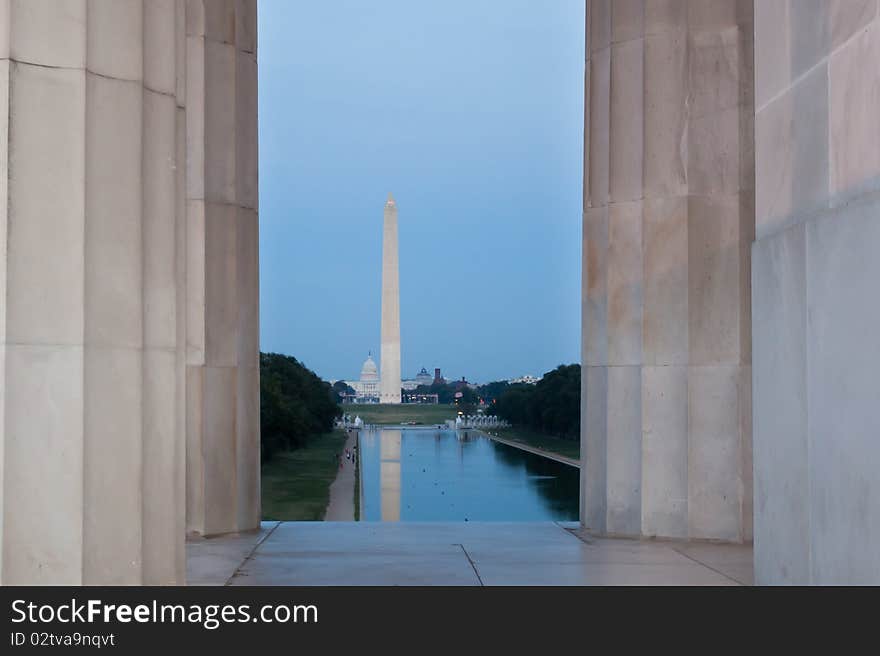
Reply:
x=467, y=401
x=445, y=393
x=340, y=387
x=552, y=406
x=294, y=403
x=490, y=392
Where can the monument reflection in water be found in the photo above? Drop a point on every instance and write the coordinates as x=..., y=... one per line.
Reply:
x=446, y=475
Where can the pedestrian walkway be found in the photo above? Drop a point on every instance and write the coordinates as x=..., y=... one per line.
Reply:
x=341, y=506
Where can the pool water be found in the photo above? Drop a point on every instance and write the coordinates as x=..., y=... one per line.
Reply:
x=417, y=474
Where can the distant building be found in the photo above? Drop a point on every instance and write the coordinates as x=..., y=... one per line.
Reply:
x=424, y=378
x=432, y=399
x=459, y=384
x=527, y=379
x=367, y=387
x=411, y=384
x=438, y=379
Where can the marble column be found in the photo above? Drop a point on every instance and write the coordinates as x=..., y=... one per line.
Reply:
x=91, y=362
x=668, y=219
x=816, y=318
x=129, y=396
x=222, y=329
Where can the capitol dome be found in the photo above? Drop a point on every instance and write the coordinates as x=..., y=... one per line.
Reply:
x=369, y=372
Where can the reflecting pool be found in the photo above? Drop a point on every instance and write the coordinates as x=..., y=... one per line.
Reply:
x=417, y=474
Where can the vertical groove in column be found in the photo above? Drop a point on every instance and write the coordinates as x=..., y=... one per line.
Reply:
x=180, y=353
x=180, y=279
x=247, y=268
x=113, y=295
x=624, y=274
x=163, y=536
x=221, y=271
x=194, y=86
x=719, y=215
x=585, y=191
x=665, y=269
x=4, y=226
x=595, y=249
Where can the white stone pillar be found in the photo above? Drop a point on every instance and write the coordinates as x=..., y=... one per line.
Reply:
x=668, y=218
x=389, y=371
x=164, y=295
x=222, y=378
x=816, y=317
x=89, y=352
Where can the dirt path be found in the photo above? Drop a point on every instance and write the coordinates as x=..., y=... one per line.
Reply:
x=341, y=506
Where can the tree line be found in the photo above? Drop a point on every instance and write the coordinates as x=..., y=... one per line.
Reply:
x=446, y=393
x=552, y=406
x=294, y=404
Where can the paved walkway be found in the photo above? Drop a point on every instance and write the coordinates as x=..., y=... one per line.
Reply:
x=213, y=561
x=532, y=449
x=471, y=553
x=341, y=506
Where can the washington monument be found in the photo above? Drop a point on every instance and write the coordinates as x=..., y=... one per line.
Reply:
x=389, y=373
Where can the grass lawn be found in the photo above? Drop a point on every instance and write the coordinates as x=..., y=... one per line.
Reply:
x=375, y=413
x=296, y=484
x=567, y=448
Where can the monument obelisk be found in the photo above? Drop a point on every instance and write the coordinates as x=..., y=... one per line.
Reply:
x=389, y=373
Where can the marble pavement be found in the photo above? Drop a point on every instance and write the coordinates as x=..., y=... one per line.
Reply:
x=458, y=554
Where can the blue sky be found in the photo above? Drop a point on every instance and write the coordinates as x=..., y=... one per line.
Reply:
x=471, y=113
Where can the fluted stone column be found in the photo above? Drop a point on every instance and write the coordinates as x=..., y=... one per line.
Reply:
x=668, y=219
x=92, y=441
x=222, y=378
x=129, y=396
x=816, y=316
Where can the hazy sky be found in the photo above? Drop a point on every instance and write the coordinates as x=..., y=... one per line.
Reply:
x=471, y=113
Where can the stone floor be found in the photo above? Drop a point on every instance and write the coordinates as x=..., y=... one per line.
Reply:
x=364, y=553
